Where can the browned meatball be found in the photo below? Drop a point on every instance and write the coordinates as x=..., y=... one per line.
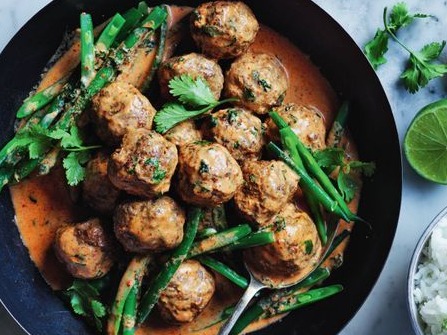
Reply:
x=237, y=130
x=296, y=248
x=258, y=80
x=119, y=107
x=305, y=121
x=97, y=190
x=188, y=293
x=149, y=225
x=144, y=164
x=268, y=186
x=195, y=65
x=85, y=249
x=184, y=133
x=208, y=175
x=213, y=217
x=223, y=29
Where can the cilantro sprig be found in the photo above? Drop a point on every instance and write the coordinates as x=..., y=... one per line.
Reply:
x=332, y=158
x=194, y=98
x=38, y=141
x=376, y=48
x=422, y=66
x=85, y=301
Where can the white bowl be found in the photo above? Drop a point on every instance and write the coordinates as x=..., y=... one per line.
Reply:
x=416, y=321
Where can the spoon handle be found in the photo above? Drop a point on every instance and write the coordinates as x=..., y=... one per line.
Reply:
x=254, y=287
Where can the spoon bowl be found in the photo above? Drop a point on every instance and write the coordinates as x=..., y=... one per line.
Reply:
x=260, y=281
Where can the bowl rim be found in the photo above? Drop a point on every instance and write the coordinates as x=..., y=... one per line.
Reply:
x=415, y=260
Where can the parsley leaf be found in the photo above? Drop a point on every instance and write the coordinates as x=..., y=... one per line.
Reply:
x=421, y=70
x=74, y=165
x=195, y=93
x=85, y=301
x=376, y=48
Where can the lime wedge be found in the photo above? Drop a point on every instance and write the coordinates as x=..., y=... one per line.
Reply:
x=425, y=142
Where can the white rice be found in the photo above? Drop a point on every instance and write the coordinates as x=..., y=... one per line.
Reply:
x=430, y=291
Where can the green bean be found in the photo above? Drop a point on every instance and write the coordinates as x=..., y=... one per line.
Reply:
x=303, y=299
x=110, y=33
x=322, y=197
x=132, y=17
x=87, y=50
x=315, y=209
x=252, y=240
x=134, y=274
x=130, y=310
x=143, y=8
x=262, y=305
x=40, y=99
x=207, y=232
x=219, y=240
x=224, y=270
x=161, y=281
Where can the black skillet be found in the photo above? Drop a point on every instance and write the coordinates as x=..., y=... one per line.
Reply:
x=40, y=312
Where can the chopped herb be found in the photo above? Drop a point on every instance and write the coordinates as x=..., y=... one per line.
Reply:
x=249, y=95
x=213, y=121
x=236, y=145
x=308, y=247
x=211, y=31
x=252, y=178
x=280, y=223
x=232, y=115
x=204, y=168
x=281, y=98
x=158, y=174
x=202, y=189
x=202, y=142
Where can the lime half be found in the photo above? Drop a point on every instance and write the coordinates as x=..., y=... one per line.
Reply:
x=425, y=143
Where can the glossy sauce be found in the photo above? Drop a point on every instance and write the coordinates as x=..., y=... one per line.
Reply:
x=43, y=204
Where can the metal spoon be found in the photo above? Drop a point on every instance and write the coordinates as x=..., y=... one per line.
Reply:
x=258, y=282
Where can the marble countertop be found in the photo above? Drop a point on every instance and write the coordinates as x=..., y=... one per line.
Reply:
x=384, y=312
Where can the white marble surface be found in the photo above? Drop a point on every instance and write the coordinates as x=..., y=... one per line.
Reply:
x=385, y=311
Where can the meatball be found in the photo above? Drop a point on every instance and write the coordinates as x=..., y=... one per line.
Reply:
x=223, y=29
x=268, y=186
x=149, y=225
x=213, y=217
x=188, y=293
x=297, y=246
x=195, y=65
x=184, y=133
x=305, y=121
x=208, y=175
x=97, y=190
x=85, y=249
x=144, y=164
x=237, y=130
x=119, y=107
x=258, y=80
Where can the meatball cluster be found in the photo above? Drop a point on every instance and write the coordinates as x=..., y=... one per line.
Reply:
x=215, y=161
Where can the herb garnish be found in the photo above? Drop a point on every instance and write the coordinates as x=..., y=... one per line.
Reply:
x=194, y=93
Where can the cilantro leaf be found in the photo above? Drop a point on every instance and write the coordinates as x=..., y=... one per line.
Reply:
x=376, y=48
x=85, y=301
x=330, y=157
x=421, y=69
x=366, y=168
x=74, y=166
x=172, y=114
x=347, y=185
x=195, y=93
